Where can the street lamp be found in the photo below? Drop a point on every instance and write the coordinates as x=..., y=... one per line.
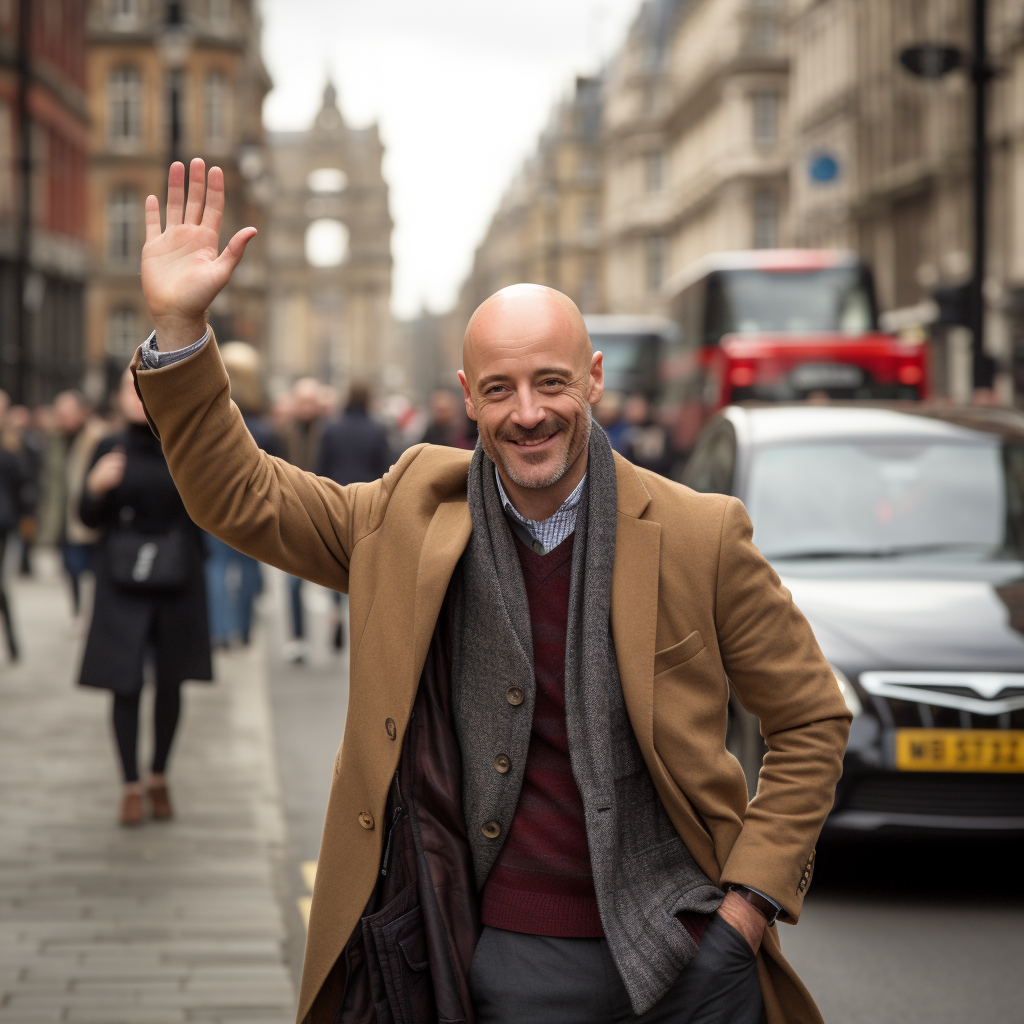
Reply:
x=932, y=61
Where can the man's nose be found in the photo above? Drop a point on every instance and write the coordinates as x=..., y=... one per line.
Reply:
x=528, y=412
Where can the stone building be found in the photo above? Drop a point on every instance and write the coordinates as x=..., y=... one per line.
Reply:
x=167, y=80
x=329, y=254
x=881, y=162
x=44, y=125
x=696, y=149
x=547, y=228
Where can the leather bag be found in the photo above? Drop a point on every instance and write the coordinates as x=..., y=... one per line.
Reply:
x=137, y=561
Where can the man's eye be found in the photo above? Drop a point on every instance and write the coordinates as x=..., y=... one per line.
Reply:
x=495, y=388
x=552, y=383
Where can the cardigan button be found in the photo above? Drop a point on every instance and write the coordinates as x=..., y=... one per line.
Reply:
x=491, y=829
x=366, y=819
x=515, y=696
x=502, y=763
x=390, y=728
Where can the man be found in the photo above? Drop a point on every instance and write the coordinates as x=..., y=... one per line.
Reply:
x=533, y=814
x=353, y=449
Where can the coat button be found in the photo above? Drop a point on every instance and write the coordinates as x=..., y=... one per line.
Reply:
x=502, y=763
x=366, y=819
x=491, y=829
x=514, y=695
x=538, y=547
x=390, y=728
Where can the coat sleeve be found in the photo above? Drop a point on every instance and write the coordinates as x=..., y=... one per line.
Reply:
x=261, y=505
x=781, y=676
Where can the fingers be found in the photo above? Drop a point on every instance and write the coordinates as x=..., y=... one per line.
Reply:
x=152, y=218
x=175, y=193
x=213, y=215
x=196, y=191
x=235, y=248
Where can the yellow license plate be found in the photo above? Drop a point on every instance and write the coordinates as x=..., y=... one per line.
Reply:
x=960, y=750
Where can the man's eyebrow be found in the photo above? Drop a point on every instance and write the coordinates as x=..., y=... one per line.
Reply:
x=501, y=378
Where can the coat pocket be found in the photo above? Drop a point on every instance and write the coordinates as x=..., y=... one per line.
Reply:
x=395, y=939
x=686, y=649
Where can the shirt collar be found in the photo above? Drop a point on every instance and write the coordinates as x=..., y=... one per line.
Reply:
x=544, y=535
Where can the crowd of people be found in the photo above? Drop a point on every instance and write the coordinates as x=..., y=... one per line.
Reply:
x=91, y=482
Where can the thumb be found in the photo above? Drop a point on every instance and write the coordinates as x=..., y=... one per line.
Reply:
x=233, y=251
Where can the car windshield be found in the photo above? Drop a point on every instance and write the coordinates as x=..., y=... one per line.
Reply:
x=886, y=500
x=755, y=301
x=630, y=360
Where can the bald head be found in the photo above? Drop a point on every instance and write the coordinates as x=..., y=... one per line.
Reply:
x=523, y=315
x=529, y=377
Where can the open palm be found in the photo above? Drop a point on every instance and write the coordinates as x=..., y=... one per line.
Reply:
x=182, y=271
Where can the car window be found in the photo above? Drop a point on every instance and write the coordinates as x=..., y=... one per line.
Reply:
x=711, y=465
x=877, y=499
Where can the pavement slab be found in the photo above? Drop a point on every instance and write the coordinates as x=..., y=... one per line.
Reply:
x=170, y=922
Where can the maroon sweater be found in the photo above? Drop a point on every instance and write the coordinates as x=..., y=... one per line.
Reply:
x=541, y=883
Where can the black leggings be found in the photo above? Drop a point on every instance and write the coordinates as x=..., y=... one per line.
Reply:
x=165, y=720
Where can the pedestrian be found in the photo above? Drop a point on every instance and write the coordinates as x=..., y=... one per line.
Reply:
x=306, y=422
x=14, y=484
x=68, y=455
x=533, y=814
x=645, y=441
x=233, y=580
x=353, y=449
x=20, y=437
x=150, y=600
x=448, y=423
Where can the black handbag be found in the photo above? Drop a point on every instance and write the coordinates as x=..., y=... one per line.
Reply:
x=136, y=561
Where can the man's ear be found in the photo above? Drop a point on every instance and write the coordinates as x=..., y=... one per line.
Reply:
x=470, y=407
x=596, y=378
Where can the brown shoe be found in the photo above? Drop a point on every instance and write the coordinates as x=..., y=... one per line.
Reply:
x=160, y=801
x=131, y=809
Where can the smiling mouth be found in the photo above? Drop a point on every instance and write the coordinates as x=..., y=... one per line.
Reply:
x=527, y=442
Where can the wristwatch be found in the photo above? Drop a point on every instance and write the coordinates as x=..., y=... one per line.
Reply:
x=761, y=904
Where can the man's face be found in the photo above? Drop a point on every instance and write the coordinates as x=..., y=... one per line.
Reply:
x=529, y=385
x=69, y=412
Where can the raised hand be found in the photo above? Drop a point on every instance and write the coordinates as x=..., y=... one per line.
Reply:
x=182, y=271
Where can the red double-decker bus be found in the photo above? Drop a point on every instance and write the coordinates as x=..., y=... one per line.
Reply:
x=778, y=325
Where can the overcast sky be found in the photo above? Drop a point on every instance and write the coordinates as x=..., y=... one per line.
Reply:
x=460, y=88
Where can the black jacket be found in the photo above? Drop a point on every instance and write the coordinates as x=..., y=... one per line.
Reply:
x=13, y=485
x=173, y=622
x=353, y=449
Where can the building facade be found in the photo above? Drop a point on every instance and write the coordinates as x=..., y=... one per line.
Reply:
x=547, y=229
x=329, y=254
x=168, y=80
x=43, y=153
x=695, y=141
x=882, y=164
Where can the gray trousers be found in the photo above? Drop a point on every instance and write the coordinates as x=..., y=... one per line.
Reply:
x=534, y=979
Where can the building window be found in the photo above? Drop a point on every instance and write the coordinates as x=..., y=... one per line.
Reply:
x=122, y=225
x=216, y=100
x=762, y=35
x=766, y=220
x=220, y=12
x=766, y=118
x=590, y=216
x=123, y=333
x=124, y=13
x=654, y=165
x=174, y=111
x=655, y=262
x=124, y=106
x=588, y=169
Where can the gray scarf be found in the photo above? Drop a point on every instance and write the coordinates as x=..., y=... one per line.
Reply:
x=643, y=873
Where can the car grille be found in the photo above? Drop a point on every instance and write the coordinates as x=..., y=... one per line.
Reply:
x=965, y=796
x=946, y=700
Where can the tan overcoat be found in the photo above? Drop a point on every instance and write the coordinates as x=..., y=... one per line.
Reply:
x=694, y=604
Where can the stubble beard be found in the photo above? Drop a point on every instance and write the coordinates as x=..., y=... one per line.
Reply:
x=578, y=440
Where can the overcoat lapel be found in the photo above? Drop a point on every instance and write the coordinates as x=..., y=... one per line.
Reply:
x=634, y=614
x=443, y=544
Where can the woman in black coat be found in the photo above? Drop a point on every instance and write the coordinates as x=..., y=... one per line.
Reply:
x=150, y=596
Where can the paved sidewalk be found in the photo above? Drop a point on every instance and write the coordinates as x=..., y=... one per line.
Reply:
x=170, y=922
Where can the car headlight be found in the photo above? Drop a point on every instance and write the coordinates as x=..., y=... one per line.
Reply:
x=848, y=692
